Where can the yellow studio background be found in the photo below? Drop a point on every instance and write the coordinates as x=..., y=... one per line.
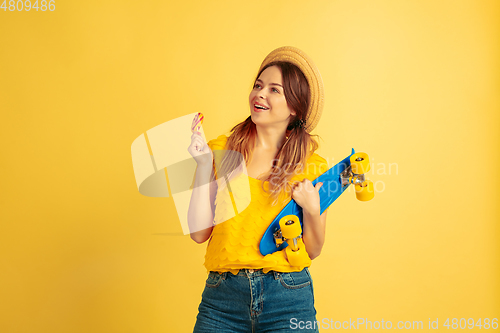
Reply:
x=415, y=84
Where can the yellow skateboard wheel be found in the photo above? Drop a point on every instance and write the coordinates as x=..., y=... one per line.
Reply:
x=365, y=191
x=299, y=257
x=290, y=226
x=360, y=163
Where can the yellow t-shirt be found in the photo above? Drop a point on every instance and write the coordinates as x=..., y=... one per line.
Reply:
x=234, y=243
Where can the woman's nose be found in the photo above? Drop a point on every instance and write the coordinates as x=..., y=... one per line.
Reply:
x=262, y=94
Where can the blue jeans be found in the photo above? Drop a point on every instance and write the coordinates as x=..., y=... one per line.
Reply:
x=252, y=301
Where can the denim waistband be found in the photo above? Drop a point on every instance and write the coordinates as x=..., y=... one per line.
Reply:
x=251, y=273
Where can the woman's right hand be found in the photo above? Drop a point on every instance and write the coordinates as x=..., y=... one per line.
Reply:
x=200, y=151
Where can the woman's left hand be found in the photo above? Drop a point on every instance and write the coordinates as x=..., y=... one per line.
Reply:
x=307, y=196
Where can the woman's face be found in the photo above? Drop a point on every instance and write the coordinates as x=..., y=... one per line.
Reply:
x=268, y=105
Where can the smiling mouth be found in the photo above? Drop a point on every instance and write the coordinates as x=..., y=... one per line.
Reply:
x=260, y=107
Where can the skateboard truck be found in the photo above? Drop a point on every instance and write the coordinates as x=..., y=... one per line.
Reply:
x=291, y=232
x=278, y=238
x=355, y=174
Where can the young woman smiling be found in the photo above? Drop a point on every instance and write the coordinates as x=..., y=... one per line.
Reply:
x=245, y=291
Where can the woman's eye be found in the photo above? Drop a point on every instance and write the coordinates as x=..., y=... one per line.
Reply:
x=276, y=90
x=256, y=85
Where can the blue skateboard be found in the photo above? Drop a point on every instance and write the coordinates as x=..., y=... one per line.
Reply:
x=335, y=181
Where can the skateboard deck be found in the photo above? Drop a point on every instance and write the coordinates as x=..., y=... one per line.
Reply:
x=332, y=188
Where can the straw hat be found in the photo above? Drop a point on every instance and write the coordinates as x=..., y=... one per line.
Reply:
x=304, y=63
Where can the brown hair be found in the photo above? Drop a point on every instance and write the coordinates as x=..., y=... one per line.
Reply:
x=298, y=146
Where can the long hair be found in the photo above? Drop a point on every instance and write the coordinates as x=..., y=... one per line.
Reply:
x=298, y=145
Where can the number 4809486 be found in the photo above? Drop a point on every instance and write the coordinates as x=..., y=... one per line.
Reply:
x=470, y=323
x=20, y=5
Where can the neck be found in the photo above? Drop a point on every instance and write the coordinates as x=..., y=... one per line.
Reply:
x=269, y=138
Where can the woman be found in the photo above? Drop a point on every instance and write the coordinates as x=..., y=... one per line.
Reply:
x=245, y=291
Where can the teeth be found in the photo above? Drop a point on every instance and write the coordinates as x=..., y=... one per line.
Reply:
x=260, y=107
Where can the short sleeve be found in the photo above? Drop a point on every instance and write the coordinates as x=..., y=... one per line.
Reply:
x=218, y=144
x=316, y=166
x=323, y=165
